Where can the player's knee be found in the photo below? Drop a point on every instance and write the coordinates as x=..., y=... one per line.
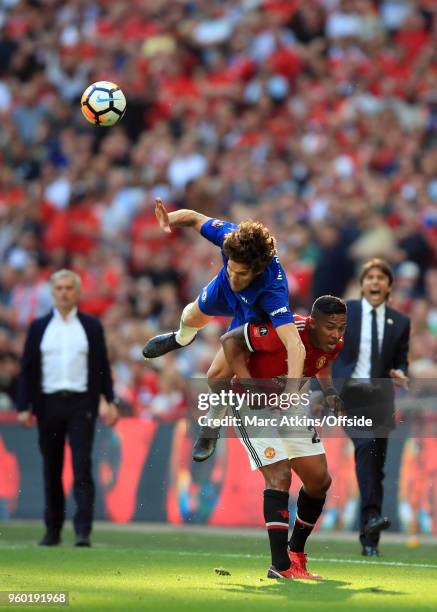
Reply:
x=327, y=482
x=279, y=478
x=188, y=315
x=320, y=483
x=217, y=372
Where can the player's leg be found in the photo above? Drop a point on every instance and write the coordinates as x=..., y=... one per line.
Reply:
x=277, y=478
x=219, y=375
x=316, y=480
x=192, y=320
x=268, y=455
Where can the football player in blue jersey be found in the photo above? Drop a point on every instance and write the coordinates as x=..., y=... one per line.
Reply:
x=250, y=287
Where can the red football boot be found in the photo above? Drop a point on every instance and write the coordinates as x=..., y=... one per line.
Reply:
x=299, y=566
x=275, y=573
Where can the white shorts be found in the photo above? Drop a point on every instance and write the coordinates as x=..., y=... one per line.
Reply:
x=268, y=445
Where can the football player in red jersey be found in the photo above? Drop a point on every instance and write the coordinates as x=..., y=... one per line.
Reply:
x=255, y=351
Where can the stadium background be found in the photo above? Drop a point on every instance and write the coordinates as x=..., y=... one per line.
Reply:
x=318, y=118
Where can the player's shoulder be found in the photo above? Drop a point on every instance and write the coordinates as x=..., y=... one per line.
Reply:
x=218, y=223
x=300, y=321
x=214, y=226
x=274, y=275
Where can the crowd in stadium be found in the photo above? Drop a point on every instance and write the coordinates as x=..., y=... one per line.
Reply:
x=316, y=117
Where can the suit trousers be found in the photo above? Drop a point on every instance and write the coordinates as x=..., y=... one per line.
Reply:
x=374, y=401
x=67, y=415
x=370, y=454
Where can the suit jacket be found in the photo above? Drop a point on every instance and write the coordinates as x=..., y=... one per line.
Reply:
x=29, y=388
x=394, y=354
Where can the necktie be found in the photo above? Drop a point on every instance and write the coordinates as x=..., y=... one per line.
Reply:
x=374, y=356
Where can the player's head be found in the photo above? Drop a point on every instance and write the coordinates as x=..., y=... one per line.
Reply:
x=249, y=250
x=376, y=279
x=328, y=322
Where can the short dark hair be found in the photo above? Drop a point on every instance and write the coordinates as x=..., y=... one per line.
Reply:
x=250, y=244
x=328, y=305
x=378, y=263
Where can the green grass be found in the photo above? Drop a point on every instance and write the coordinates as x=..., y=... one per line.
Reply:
x=154, y=570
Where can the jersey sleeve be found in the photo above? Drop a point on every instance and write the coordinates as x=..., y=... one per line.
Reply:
x=275, y=303
x=262, y=337
x=215, y=230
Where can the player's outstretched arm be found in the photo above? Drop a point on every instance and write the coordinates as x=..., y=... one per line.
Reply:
x=295, y=353
x=236, y=353
x=178, y=218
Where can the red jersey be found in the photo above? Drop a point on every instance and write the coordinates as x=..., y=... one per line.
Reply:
x=269, y=355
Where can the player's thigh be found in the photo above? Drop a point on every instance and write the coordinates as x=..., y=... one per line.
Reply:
x=313, y=472
x=219, y=368
x=194, y=317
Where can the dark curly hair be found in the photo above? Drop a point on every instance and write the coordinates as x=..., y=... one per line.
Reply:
x=251, y=244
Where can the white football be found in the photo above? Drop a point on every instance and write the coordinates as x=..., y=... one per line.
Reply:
x=103, y=103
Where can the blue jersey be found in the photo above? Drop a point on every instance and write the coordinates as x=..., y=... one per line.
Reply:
x=265, y=298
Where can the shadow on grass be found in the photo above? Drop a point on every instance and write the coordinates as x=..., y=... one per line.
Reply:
x=306, y=590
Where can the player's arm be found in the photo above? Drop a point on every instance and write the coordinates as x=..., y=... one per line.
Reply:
x=178, y=218
x=236, y=351
x=332, y=399
x=290, y=338
x=324, y=378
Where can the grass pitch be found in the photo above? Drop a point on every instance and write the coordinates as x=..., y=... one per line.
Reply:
x=138, y=569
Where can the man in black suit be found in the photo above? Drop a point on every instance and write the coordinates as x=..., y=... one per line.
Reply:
x=64, y=371
x=375, y=356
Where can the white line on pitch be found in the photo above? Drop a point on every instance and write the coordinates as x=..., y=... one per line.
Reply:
x=187, y=553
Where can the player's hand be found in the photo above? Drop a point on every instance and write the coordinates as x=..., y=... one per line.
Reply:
x=162, y=215
x=109, y=414
x=317, y=404
x=335, y=404
x=25, y=418
x=399, y=378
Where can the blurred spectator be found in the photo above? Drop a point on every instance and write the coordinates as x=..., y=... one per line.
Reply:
x=318, y=118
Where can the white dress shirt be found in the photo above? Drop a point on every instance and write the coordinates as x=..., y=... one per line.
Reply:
x=362, y=369
x=64, y=352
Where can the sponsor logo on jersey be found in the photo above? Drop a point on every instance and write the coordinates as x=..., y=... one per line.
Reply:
x=278, y=310
x=270, y=452
x=261, y=331
x=244, y=299
x=217, y=223
x=321, y=361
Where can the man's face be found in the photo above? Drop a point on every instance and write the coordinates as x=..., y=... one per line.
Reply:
x=327, y=330
x=65, y=293
x=240, y=275
x=375, y=287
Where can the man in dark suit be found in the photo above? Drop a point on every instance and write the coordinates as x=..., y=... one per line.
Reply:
x=375, y=356
x=64, y=371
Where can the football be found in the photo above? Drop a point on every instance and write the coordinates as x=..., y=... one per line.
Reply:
x=103, y=103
